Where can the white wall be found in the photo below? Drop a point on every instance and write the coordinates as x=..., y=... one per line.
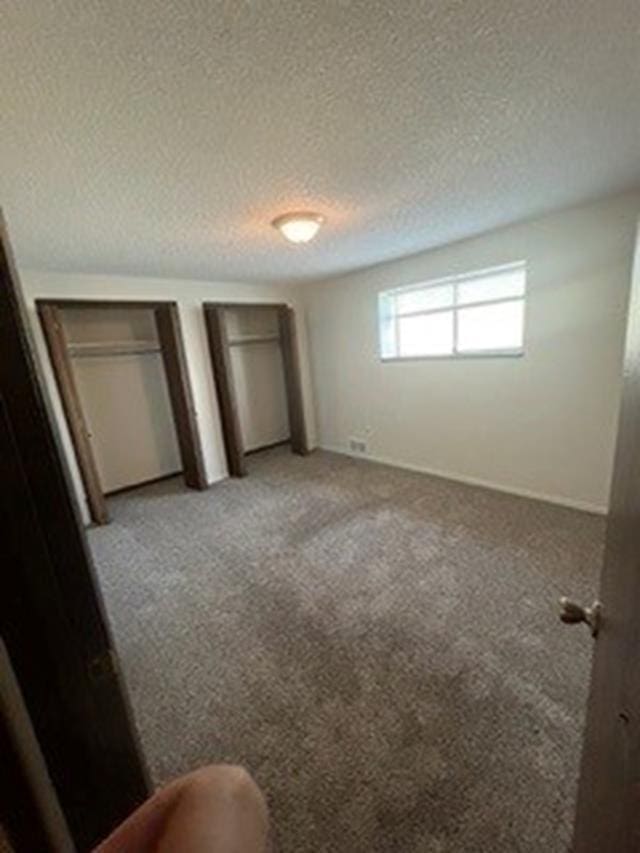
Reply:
x=189, y=295
x=543, y=424
x=125, y=396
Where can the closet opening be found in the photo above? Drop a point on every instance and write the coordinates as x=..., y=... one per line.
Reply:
x=254, y=356
x=121, y=373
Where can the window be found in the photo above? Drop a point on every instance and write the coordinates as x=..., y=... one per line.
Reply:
x=478, y=313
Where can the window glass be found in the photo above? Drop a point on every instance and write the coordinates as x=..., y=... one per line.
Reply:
x=482, y=312
x=426, y=334
x=501, y=285
x=491, y=327
x=426, y=299
x=387, y=325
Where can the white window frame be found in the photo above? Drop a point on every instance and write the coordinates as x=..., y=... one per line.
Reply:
x=463, y=278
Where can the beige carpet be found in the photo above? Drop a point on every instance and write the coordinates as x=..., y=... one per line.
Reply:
x=380, y=648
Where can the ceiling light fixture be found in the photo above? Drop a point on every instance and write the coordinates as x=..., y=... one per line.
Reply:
x=298, y=227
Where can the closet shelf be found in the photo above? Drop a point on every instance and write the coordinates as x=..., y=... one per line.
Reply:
x=109, y=348
x=253, y=339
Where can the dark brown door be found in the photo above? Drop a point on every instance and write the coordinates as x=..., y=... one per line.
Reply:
x=184, y=413
x=292, y=378
x=51, y=616
x=178, y=384
x=225, y=389
x=55, y=338
x=608, y=811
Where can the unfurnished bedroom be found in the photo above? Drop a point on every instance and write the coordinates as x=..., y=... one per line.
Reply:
x=320, y=426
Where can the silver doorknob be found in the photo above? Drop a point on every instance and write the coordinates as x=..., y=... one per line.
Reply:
x=572, y=613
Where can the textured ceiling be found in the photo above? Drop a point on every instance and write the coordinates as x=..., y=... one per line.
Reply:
x=160, y=137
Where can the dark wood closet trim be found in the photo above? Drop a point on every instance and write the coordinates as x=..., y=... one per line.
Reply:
x=219, y=350
x=175, y=367
x=292, y=379
x=265, y=306
x=225, y=388
x=128, y=304
x=184, y=413
x=56, y=341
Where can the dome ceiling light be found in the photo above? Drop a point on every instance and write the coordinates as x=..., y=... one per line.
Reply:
x=298, y=227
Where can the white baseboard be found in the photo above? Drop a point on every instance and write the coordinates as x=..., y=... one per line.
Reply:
x=585, y=506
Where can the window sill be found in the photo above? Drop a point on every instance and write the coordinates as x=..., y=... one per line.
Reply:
x=457, y=356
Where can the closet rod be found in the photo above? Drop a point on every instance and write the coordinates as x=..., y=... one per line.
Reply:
x=253, y=339
x=113, y=349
